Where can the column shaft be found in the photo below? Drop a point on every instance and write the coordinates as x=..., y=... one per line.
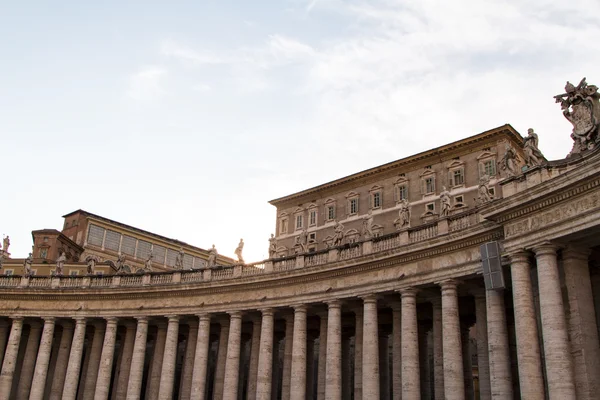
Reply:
x=153, y=385
x=384, y=368
x=529, y=359
x=91, y=374
x=397, y=351
x=221, y=360
x=74, y=366
x=10, y=357
x=4, y=331
x=424, y=370
x=43, y=358
x=483, y=360
x=232, y=364
x=106, y=360
x=370, y=356
x=467, y=364
x=167, y=376
x=28, y=365
x=310, y=369
x=298, y=362
x=322, y=358
x=253, y=367
x=454, y=385
x=346, y=368
x=411, y=385
x=62, y=360
x=438, y=354
x=500, y=373
x=201, y=359
x=287, y=358
x=559, y=366
x=265, y=358
x=333, y=372
x=358, y=354
x=120, y=392
x=188, y=362
x=136, y=371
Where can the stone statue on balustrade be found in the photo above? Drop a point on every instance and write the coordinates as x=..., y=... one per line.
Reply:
x=509, y=162
x=338, y=236
x=444, y=202
x=581, y=107
x=27, y=265
x=60, y=264
x=533, y=155
x=179, y=259
x=148, y=264
x=238, y=251
x=367, y=226
x=91, y=262
x=212, y=258
x=6, y=243
x=484, y=193
x=403, y=220
x=272, y=246
x=301, y=242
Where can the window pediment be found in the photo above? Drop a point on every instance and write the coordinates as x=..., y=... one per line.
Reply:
x=329, y=201
x=401, y=181
x=375, y=188
x=311, y=206
x=455, y=164
x=486, y=154
x=351, y=194
x=427, y=172
x=298, y=210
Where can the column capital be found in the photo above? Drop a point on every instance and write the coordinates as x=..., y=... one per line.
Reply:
x=142, y=319
x=576, y=252
x=172, y=318
x=519, y=256
x=267, y=311
x=336, y=303
x=545, y=248
x=80, y=320
x=300, y=308
x=203, y=316
x=370, y=298
x=408, y=292
x=450, y=284
x=235, y=314
x=111, y=320
x=49, y=319
x=17, y=318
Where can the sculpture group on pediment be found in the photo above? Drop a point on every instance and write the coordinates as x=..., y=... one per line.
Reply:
x=403, y=220
x=367, y=226
x=212, y=258
x=509, y=162
x=272, y=246
x=533, y=155
x=60, y=264
x=238, y=251
x=27, y=264
x=581, y=107
x=484, y=192
x=445, y=205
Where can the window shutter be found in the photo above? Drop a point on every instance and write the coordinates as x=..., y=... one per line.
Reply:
x=433, y=183
x=481, y=169
x=370, y=200
x=450, y=178
x=396, y=194
x=423, y=186
x=381, y=198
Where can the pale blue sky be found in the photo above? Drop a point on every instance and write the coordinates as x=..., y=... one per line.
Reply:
x=184, y=118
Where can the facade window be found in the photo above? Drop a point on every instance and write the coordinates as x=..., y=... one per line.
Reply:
x=428, y=185
x=299, y=221
x=488, y=167
x=283, y=225
x=331, y=212
x=430, y=207
x=457, y=177
x=95, y=235
x=312, y=218
x=8, y=272
x=73, y=273
x=45, y=239
x=43, y=253
x=492, y=191
x=376, y=199
x=402, y=193
x=458, y=200
x=353, y=205
x=312, y=237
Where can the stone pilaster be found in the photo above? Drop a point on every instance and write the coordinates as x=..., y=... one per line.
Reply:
x=253, y=367
x=43, y=358
x=583, y=330
x=10, y=357
x=221, y=360
x=531, y=380
x=454, y=385
x=199, y=375
x=397, y=351
x=370, y=356
x=265, y=358
x=559, y=364
x=287, y=357
x=62, y=359
x=483, y=359
x=153, y=382
x=120, y=391
x=106, y=360
x=438, y=354
x=322, y=357
x=298, y=363
x=333, y=370
x=28, y=365
x=358, y=353
x=411, y=385
x=167, y=377
x=384, y=367
x=136, y=371
x=91, y=374
x=499, y=352
x=69, y=391
x=188, y=361
x=232, y=363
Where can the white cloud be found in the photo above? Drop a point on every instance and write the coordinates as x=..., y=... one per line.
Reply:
x=145, y=84
x=172, y=48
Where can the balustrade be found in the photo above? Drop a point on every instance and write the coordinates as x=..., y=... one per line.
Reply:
x=386, y=242
x=351, y=252
x=461, y=221
x=423, y=233
x=224, y=273
x=161, y=279
x=284, y=264
x=192, y=276
x=311, y=260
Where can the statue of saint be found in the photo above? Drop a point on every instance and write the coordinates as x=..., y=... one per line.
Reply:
x=148, y=264
x=485, y=194
x=445, y=202
x=238, y=251
x=27, y=264
x=60, y=264
x=533, y=156
x=338, y=236
x=404, y=214
x=120, y=262
x=179, y=259
x=508, y=163
x=272, y=246
x=6, y=242
x=212, y=257
x=91, y=261
x=367, y=227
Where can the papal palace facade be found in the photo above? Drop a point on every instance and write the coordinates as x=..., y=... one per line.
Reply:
x=469, y=271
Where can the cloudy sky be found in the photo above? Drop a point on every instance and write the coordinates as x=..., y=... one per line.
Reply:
x=184, y=118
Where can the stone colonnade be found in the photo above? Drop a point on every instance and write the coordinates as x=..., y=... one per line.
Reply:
x=410, y=344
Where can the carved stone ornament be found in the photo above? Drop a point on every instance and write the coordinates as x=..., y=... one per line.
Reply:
x=367, y=227
x=60, y=264
x=91, y=262
x=179, y=259
x=509, y=162
x=445, y=202
x=403, y=220
x=212, y=258
x=338, y=236
x=581, y=107
x=484, y=193
x=238, y=251
x=272, y=246
x=27, y=264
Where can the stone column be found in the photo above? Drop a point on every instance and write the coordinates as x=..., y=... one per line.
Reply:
x=322, y=357
x=424, y=370
x=136, y=371
x=287, y=357
x=384, y=367
x=467, y=364
x=120, y=392
x=438, y=354
x=483, y=360
x=69, y=390
x=276, y=375
x=188, y=362
x=298, y=362
x=232, y=363
x=397, y=351
x=10, y=357
x=411, y=385
x=62, y=359
x=346, y=368
x=531, y=380
x=583, y=330
x=106, y=360
x=370, y=356
x=28, y=365
x=221, y=360
x=559, y=364
x=500, y=373
x=167, y=376
x=91, y=375
x=153, y=385
x=333, y=370
x=4, y=331
x=454, y=385
x=253, y=367
x=201, y=359
x=265, y=358
x=43, y=358
x=358, y=353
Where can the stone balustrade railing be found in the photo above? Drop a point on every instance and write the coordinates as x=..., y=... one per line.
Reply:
x=351, y=251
